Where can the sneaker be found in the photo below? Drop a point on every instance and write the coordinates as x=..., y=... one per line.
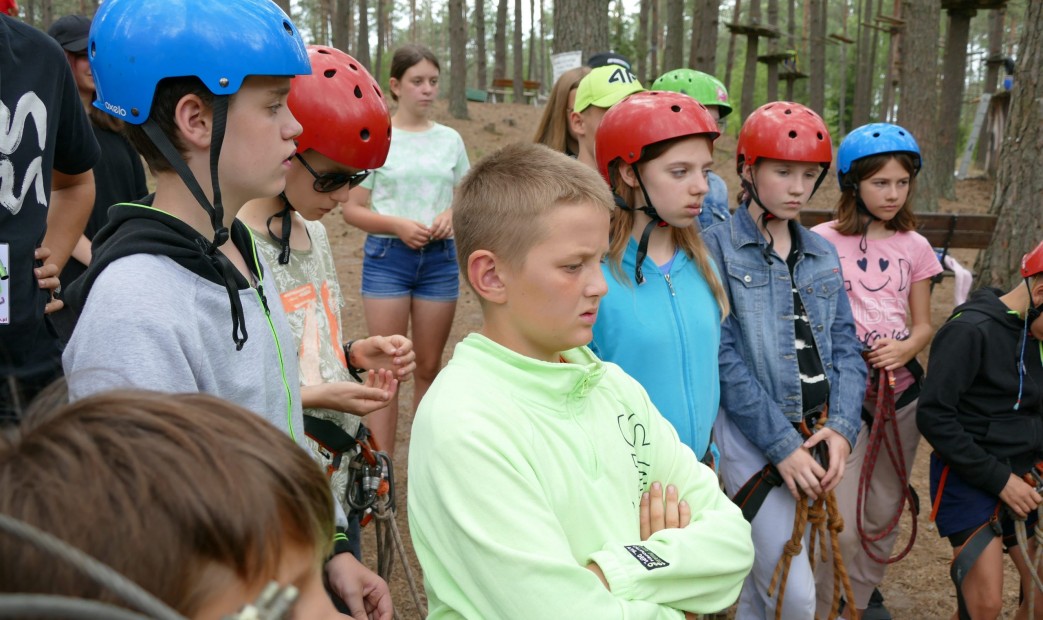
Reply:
x=876, y=610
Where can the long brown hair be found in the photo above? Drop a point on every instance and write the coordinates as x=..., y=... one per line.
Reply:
x=554, y=125
x=408, y=56
x=849, y=218
x=688, y=238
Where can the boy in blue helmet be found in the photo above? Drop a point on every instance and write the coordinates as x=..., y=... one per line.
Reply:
x=203, y=87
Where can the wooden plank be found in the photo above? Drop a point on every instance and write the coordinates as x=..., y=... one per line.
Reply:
x=971, y=231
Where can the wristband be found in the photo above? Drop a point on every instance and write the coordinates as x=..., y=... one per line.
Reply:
x=354, y=371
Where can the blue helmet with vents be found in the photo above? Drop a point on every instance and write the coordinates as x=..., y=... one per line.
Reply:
x=876, y=139
x=134, y=44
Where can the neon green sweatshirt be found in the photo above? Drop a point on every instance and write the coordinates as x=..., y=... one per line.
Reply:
x=522, y=472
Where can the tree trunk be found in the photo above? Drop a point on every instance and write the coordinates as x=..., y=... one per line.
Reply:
x=817, y=56
x=729, y=61
x=342, y=25
x=283, y=4
x=641, y=39
x=992, y=74
x=531, y=73
x=543, y=51
x=519, y=53
x=887, y=113
x=706, y=17
x=1018, y=184
x=412, y=21
x=791, y=29
x=773, y=48
x=581, y=25
x=362, y=47
x=918, y=89
x=656, y=40
x=842, y=90
x=457, y=59
x=382, y=21
x=673, y=50
x=500, y=42
x=749, y=75
x=951, y=103
x=481, y=62
x=863, y=79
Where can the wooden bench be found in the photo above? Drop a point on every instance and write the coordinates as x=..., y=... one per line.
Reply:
x=505, y=86
x=943, y=230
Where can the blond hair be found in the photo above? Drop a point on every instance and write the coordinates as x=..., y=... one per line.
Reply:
x=554, y=126
x=499, y=203
x=687, y=239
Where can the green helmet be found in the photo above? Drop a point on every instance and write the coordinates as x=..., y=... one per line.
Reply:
x=703, y=87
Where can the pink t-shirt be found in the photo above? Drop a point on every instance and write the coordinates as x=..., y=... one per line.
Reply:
x=879, y=281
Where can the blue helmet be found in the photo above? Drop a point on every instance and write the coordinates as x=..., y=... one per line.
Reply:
x=876, y=139
x=134, y=44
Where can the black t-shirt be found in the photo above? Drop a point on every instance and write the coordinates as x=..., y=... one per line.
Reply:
x=46, y=129
x=814, y=386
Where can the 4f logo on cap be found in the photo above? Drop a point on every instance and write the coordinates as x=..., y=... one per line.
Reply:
x=621, y=75
x=647, y=559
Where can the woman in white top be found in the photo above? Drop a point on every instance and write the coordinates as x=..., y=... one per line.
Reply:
x=409, y=271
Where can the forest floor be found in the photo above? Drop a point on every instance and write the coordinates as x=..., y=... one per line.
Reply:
x=918, y=587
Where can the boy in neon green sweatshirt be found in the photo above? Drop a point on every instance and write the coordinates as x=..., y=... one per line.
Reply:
x=543, y=482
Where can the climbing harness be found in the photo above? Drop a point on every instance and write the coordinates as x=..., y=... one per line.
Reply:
x=884, y=433
x=369, y=493
x=1034, y=477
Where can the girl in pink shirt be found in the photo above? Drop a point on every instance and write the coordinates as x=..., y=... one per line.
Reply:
x=887, y=269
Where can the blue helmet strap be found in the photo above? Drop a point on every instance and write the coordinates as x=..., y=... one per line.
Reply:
x=215, y=210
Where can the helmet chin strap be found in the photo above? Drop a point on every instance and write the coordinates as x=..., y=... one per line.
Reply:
x=285, y=216
x=215, y=210
x=766, y=216
x=655, y=221
x=869, y=218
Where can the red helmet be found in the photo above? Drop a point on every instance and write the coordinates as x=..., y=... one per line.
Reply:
x=646, y=118
x=342, y=110
x=786, y=131
x=1032, y=263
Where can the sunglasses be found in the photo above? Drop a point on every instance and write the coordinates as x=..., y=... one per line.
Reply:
x=332, y=181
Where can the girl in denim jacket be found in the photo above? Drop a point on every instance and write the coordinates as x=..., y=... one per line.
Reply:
x=789, y=358
x=661, y=321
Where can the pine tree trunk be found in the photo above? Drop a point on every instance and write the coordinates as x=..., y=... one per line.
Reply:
x=706, y=17
x=863, y=79
x=519, y=53
x=655, y=40
x=581, y=25
x=749, y=75
x=500, y=42
x=382, y=20
x=481, y=61
x=918, y=89
x=362, y=47
x=992, y=75
x=412, y=21
x=817, y=56
x=729, y=61
x=842, y=90
x=531, y=75
x=342, y=25
x=641, y=40
x=773, y=48
x=951, y=103
x=791, y=34
x=457, y=59
x=1019, y=185
x=673, y=49
x=283, y=4
x=891, y=79
x=543, y=50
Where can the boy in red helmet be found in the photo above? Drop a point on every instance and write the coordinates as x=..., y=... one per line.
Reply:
x=345, y=134
x=981, y=409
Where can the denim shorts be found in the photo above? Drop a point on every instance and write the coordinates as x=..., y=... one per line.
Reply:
x=392, y=269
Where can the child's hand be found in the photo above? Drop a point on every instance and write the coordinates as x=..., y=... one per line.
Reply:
x=47, y=279
x=413, y=234
x=801, y=471
x=442, y=227
x=394, y=353
x=890, y=354
x=350, y=397
x=659, y=514
x=838, y=448
x=1020, y=497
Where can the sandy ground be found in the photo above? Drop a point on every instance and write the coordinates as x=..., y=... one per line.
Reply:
x=916, y=588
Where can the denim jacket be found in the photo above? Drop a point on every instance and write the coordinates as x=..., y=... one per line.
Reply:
x=715, y=203
x=760, y=380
